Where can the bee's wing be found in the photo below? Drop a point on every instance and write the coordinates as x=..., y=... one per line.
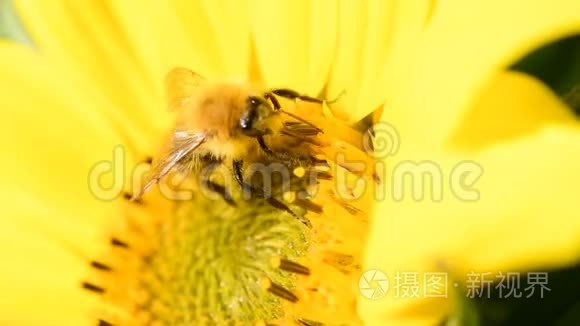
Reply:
x=183, y=143
x=180, y=83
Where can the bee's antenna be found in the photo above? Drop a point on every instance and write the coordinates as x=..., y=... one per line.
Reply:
x=334, y=100
x=293, y=95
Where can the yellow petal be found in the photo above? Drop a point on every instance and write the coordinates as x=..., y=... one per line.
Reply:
x=322, y=36
x=375, y=47
x=228, y=21
x=410, y=21
x=51, y=136
x=85, y=38
x=294, y=42
x=514, y=105
x=508, y=207
x=463, y=47
x=375, y=34
x=40, y=281
x=49, y=145
x=346, y=69
x=165, y=35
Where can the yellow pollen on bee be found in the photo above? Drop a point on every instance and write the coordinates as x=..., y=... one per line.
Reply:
x=299, y=172
x=289, y=196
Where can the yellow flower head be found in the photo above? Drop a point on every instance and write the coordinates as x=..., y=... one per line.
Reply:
x=434, y=74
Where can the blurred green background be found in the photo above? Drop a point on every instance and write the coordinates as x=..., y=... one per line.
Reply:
x=10, y=26
x=557, y=65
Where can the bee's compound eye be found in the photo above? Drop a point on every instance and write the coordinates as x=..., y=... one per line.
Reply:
x=250, y=114
x=246, y=122
x=254, y=102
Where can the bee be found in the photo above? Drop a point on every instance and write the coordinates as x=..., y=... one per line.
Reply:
x=226, y=122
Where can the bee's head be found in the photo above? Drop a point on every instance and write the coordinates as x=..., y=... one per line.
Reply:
x=253, y=120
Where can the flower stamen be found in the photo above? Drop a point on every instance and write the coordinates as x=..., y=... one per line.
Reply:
x=119, y=243
x=279, y=291
x=293, y=267
x=93, y=288
x=308, y=205
x=101, y=266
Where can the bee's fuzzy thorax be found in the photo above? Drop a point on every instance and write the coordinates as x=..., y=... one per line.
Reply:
x=233, y=148
x=217, y=108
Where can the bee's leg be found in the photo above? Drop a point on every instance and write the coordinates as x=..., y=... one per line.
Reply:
x=268, y=151
x=219, y=189
x=283, y=207
x=239, y=176
x=237, y=167
x=286, y=157
x=313, y=130
x=294, y=95
x=270, y=96
x=215, y=187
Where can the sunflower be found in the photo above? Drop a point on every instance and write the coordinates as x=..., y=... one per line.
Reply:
x=433, y=72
